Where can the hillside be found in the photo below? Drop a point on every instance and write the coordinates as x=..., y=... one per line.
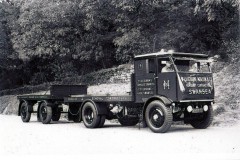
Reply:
x=227, y=95
x=227, y=85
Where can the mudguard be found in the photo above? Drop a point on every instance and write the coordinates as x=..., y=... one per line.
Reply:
x=163, y=99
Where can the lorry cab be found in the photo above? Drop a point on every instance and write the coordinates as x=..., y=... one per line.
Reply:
x=174, y=86
x=180, y=77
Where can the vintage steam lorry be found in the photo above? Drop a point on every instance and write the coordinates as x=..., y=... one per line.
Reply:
x=165, y=87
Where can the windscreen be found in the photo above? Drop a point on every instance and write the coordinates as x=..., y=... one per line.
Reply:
x=192, y=66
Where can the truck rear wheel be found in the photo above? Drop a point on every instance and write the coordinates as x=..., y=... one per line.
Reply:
x=24, y=112
x=206, y=121
x=158, y=117
x=56, y=115
x=89, y=116
x=128, y=121
x=102, y=121
x=45, y=113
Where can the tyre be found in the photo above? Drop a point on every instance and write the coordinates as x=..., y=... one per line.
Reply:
x=38, y=114
x=45, y=113
x=158, y=117
x=24, y=112
x=205, y=121
x=102, y=121
x=128, y=121
x=89, y=115
x=77, y=118
x=56, y=115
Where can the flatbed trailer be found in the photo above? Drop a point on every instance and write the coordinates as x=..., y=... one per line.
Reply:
x=158, y=96
x=78, y=99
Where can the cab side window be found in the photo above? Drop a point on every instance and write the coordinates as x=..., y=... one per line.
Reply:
x=165, y=65
x=151, y=66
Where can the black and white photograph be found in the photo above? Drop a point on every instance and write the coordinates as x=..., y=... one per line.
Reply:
x=120, y=79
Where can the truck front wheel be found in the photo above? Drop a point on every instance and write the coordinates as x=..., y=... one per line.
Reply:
x=205, y=121
x=89, y=116
x=24, y=112
x=158, y=117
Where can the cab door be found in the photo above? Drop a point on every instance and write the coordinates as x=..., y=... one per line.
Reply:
x=145, y=79
x=167, y=79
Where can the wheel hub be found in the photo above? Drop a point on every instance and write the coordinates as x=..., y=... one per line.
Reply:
x=44, y=113
x=156, y=117
x=89, y=116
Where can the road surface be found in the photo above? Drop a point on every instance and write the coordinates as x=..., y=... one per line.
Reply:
x=68, y=138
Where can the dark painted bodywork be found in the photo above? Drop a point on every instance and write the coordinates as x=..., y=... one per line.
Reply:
x=198, y=86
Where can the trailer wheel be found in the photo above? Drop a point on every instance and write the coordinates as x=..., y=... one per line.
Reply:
x=45, y=113
x=102, y=121
x=158, y=117
x=24, y=112
x=206, y=121
x=89, y=115
x=128, y=121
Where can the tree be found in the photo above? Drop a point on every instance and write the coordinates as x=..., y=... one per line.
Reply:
x=224, y=14
x=53, y=39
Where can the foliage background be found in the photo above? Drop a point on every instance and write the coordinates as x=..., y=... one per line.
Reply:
x=43, y=41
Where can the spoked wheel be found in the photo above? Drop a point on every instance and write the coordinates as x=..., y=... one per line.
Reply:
x=24, y=112
x=205, y=121
x=89, y=116
x=45, y=113
x=158, y=117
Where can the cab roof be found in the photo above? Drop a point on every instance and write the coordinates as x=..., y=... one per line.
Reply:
x=172, y=54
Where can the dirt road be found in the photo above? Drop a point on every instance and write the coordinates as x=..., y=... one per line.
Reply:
x=68, y=138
